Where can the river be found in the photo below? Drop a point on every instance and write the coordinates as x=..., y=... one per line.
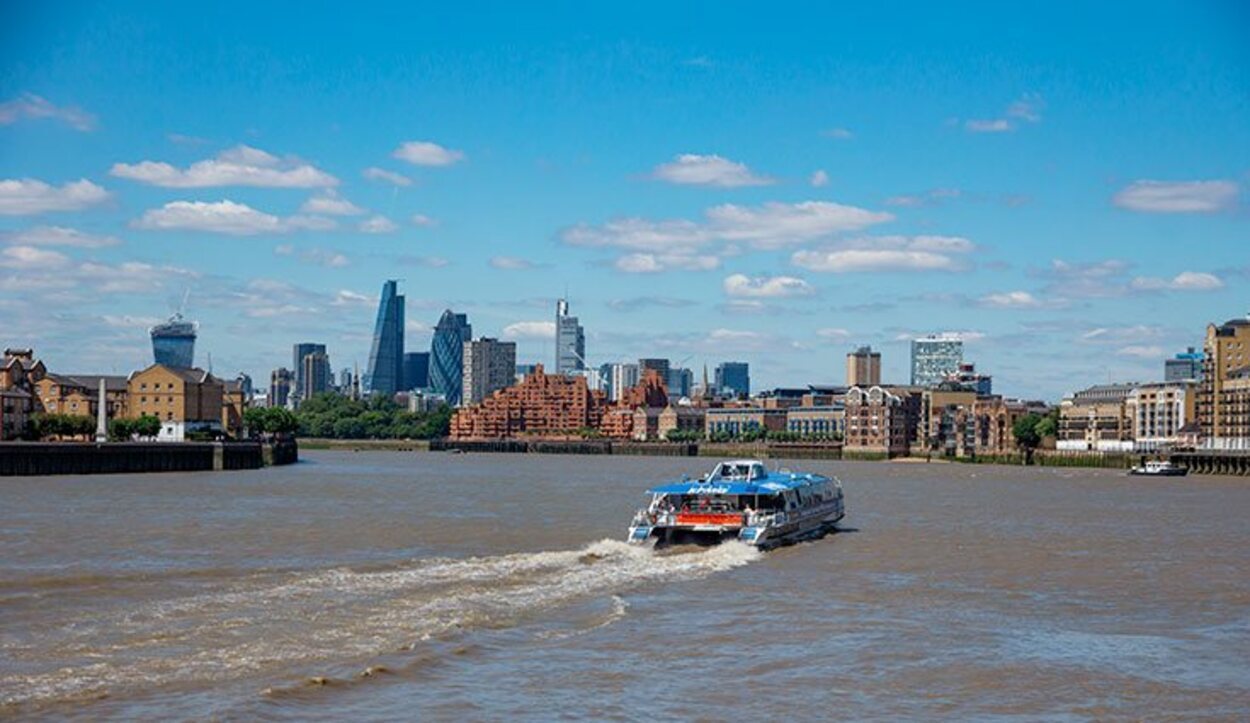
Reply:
x=389, y=585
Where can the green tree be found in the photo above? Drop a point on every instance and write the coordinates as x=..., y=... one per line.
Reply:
x=147, y=426
x=1048, y=426
x=1025, y=430
x=120, y=429
x=279, y=420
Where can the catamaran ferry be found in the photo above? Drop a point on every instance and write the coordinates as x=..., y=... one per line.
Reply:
x=740, y=500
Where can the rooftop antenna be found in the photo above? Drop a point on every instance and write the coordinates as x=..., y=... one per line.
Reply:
x=210, y=362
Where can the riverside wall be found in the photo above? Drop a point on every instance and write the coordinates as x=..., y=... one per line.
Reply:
x=49, y=458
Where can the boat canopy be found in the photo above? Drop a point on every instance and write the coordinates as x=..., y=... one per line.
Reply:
x=770, y=483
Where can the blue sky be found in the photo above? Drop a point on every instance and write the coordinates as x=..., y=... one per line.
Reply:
x=1064, y=185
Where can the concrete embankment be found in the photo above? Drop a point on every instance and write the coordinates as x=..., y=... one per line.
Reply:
x=47, y=458
x=652, y=449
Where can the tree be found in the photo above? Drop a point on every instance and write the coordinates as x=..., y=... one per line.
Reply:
x=147, y=426
x=121, y=429
x=1049, y=424
x=279, y=420
x=1025, y=430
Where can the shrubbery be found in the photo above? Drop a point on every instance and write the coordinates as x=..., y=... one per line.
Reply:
x=338, y=417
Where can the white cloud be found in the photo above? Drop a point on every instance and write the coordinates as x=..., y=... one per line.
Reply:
x=373, y=173
x=423, y=221
x=819, y=179
x=1177, y=196
x=378, y=224
x=1184, y=281
x=330, y=203
x=1141, y=352
x=33, y=107
x=328, y=258
x=852, y=260
x=426, y=153
x=765, y=287
x=1010, y=300
x=225, y=217
x=510, y=263
x=696, y=170
x=346, y=297
x=530, y=330
x=833, y=334
x=31, y=258
x=774, y=225
x=841, y=134
x=639, y=234
x=887, y=253
x=26, y=196
x=238, y=166
x=60, y=236
x=997, y=125
x=654, y=263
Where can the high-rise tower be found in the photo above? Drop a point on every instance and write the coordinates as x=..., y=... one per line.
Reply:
x=386, y=356
x=447, y=355
x=570, y=341
x=173, y=342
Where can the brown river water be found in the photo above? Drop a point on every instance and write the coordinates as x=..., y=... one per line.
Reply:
x=388, y=585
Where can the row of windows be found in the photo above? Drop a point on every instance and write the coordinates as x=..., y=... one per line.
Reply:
x=155, y=386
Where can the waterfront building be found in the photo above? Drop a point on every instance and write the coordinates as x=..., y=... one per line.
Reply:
x=298, y=352
x=543, y=405
x=416, y=370
x=570, y=341
x=879, y=421
x=236, y=398
x=79, y=394
x=20, y=371
x=1158, y=412
x=739, y=421
x=281, y=385
x=315, y=375
x=733, y=379
x=447, y=356
x=622, y=376
x=1222, y=410
x=489, y=365
x=1097, y=419
x=933, y=357
x=968, y=378
x=386, y=355
x=827, y=421
x=1185, y=366
x=863, y=367
x=185, y=400
x=173, y=342
x=680, y=417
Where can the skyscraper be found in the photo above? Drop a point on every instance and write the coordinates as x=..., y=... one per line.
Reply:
x=173, y=342
x=734, y=378
x=447, y=355
x=416, y=370
x=1185, y=366
x=680, y=381
x=570, y=341
x=386, y=356
x=863, y=367
x=298, y=352
x=659, y=366
x=933, y=357
x=489, y=364
x=620, y=378
x=280, y=382
x=316, y=374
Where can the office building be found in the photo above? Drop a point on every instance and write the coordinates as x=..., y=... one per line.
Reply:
x=570, y=341
x=447, y=356
x=863, y=367
x=386, y=356
x=281, y=384
x=416, y=370
x=316, y=375
x=621, y=377
x=345, y=380
x=1185, y=366
x=489, y=364
x=659, y=366
x=680, y=382
x=968, y=378
x=733, y=379
x=933, y=357
x=299, y=351
x=522, y=370
x=173, y=342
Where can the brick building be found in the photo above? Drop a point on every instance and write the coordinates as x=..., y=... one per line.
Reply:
x=549, y=405
x=880, y=421
x=185, y=400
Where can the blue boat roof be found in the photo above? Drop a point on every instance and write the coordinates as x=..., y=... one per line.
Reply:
x=771, y=484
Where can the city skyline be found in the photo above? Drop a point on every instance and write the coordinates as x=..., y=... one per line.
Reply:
x=1069, y=201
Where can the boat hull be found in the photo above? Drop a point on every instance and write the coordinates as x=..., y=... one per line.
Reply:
x=815, y=524
x=1175, y=472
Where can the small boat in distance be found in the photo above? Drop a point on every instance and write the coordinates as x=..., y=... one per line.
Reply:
x=1157, y=468
x=740, y=500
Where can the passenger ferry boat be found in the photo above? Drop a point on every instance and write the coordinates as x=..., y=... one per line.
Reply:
x=1154, y=468
x=740, y=500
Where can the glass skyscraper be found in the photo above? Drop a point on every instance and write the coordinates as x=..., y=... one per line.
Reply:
x=933, y=357
x=416, y=370
x=299, y=351
x=734, y=378
x=570, y=341
x=447, y=356
x=386, y=356
x=173, y=342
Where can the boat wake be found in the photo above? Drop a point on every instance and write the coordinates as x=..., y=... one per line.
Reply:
x=297, y=624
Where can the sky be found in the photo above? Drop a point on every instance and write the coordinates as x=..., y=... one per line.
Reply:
x=1064, y=185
